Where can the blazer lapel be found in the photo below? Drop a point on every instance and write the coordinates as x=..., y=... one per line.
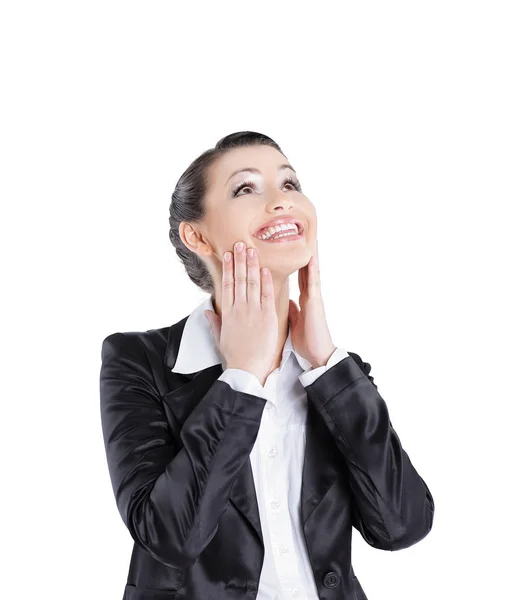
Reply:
x=190, y=389
x=321, y=464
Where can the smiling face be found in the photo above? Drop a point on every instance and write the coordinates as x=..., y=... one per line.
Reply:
x=239, y=202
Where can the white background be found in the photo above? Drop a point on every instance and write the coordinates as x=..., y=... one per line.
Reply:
x=404, y=122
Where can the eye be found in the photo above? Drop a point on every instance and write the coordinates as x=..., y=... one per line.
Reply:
x=295, y=183
x=247, y=184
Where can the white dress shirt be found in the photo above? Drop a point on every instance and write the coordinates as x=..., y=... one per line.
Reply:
x=277, y=455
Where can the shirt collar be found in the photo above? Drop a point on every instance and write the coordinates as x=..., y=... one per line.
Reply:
x=198, y=349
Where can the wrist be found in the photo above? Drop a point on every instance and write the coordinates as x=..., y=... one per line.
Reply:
x=322, y=359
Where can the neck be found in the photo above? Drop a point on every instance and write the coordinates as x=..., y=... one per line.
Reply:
x=281, y=300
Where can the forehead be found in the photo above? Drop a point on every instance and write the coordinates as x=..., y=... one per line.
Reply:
x=265, y=158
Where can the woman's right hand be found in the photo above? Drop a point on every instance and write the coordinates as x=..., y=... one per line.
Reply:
x=247, y=332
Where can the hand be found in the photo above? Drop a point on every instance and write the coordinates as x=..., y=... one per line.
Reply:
x=309, y=332
x=247, y=332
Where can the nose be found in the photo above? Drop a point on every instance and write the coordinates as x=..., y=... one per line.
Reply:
x=280, y=199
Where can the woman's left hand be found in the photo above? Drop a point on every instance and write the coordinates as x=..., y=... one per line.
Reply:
x=309, y=332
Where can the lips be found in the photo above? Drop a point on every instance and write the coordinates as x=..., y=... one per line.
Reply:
x=274, y=222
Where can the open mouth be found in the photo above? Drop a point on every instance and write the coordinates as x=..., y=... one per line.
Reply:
x=288, y=232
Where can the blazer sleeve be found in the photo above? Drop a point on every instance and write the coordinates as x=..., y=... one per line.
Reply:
x=307, y=377
x=170, y=487
x=392, y=507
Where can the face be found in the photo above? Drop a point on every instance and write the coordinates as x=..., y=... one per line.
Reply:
x=240, y=202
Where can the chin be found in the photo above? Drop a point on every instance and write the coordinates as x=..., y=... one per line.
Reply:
x=290, y=263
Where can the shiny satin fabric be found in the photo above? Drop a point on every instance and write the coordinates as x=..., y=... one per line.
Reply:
x=178, y=448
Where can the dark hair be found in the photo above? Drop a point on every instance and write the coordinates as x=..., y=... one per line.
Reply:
x=187, y=200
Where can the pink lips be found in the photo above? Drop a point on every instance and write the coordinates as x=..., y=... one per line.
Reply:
x=280, y=221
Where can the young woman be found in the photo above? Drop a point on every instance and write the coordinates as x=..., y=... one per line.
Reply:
x=243, y=446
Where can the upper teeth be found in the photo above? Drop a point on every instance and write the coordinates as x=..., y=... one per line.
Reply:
x=270, y=231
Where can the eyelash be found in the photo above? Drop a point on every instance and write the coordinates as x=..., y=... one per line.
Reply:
x=287, y=180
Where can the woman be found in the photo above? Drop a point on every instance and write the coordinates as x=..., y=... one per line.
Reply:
x=244, y=448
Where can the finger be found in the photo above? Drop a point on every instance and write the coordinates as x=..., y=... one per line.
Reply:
x=267, y=290
x=253, y=277
x=227, y=282
x=314, y=270
x=301, y=275
x=240, y=274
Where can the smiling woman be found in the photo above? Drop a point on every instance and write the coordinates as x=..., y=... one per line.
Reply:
x=236, y=446
x=229, y=193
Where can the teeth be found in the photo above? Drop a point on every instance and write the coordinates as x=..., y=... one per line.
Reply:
x=270, y=231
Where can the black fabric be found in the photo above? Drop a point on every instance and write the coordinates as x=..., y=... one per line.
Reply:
x=178, y=451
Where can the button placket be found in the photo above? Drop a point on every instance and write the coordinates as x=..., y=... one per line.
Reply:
x=273, y=447
x=281, y=531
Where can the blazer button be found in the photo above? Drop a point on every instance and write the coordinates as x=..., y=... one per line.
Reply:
x=331, y=580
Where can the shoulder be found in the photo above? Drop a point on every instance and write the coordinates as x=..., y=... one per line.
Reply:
x=148, y=341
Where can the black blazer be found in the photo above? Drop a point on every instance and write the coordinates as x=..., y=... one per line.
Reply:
x=178, y=455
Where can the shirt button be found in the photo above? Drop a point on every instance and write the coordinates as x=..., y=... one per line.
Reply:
x=295, y=593
x=269, y=405
x=275, y=504
x=283, y=550
x=273, y=452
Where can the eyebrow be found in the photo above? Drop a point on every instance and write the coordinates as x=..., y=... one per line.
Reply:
x=254, y=170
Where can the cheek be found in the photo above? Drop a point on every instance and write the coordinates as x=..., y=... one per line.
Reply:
x=234, y=231
x=308, y=209
x=227, y=229
x=312, y=225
